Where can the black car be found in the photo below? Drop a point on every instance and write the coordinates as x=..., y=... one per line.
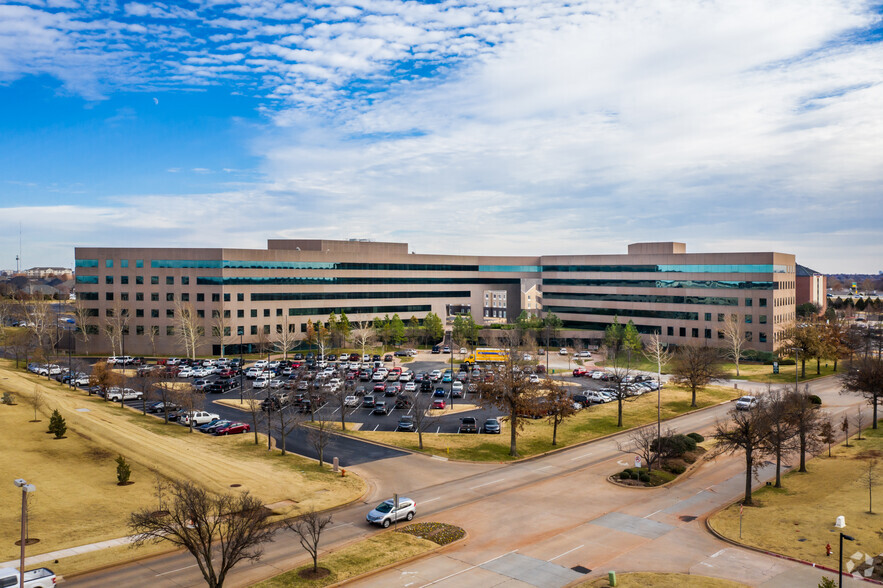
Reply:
x=161, y=406
x=468, y=425
x=368, y=402
x=380, y=408
x=436, y=349
x=403, y=402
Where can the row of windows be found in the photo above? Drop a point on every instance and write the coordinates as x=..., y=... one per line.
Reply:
x=714, y=284
x=694, y=333
x=108, y=263
x=649, y=298
x=279, y=281
x=734, y=268
x=321, y=265
x=649, y=330
x=629, y=312
x=269, y=296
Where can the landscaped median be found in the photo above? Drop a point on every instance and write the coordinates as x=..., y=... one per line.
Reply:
x=372, y=554
x=78, y=501
x=798, y=519
x=536, y=437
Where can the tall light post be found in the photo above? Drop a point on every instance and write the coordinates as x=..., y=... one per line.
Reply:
x=241, y=364
x=452, y=369
x=25, y=489
x=796, y=351
x=840, y=567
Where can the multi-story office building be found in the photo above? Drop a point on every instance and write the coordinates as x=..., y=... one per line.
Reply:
x=252, y=295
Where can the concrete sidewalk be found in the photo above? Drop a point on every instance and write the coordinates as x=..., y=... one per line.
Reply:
x=53, y=555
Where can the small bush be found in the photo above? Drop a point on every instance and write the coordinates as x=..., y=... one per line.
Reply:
x=644, y=478
x=754, y=355
x=677, y=469
x=8, y=398
x=813, y=399
x=696, y=437
x=677, y=445
x=629, y=470
x=124, y=471
x=625, y=475
x=57, y=426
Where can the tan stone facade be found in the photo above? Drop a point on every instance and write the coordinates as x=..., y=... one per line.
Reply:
x=259, y=292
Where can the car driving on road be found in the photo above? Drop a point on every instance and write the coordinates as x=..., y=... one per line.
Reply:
x=385, y=513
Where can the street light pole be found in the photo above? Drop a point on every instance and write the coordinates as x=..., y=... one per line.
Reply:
x=25, y=489
x=796, y=351
x=241, y=364
x=840, y=567
x=452, y=369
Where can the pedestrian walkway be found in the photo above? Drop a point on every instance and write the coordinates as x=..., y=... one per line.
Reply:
x=71, y=551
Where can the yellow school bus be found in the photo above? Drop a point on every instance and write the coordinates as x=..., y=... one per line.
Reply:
x=487, y=355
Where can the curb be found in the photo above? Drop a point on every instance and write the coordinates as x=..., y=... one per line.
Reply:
x=681, y=477
x=725, y=539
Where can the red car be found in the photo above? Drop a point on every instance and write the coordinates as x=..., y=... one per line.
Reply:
x=379, y=388
x=578, y=372
x=233, y=429
x=438, y=403
x=227, y=373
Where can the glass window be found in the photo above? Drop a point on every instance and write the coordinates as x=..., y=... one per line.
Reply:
x=170, y=313
x=87, y=279
x=695, y=333
x=108, y=279
x=139, y=296
x=749, y=336
x=108, y=263
x=170, y=296
x=748, y=302
x=720, y=334
x=154, y=280
x=139, y=263
x=200, y=297
x=266, y=312
x=761, y=337
x=713, y=284
x=226, y=297
x=303, y=327
x=761, y=302
x=185, y=280
x=124, y=280
x=254, y=329
x=124, y=296
x=87, y=295
x=139, y=329
x=170, y=280
x=216, y=297
x=216, y=314
x=278, y=312
x=226, y=331
x=708, y=333
x=683, y=331
x=108, y=295
x=154, y=313
x=762, y=319
x=200, y=313
x=170, y=331
x=240, y=297
x=630, y=312
x=226, y=314
x=266, y=329
x=254, y=313
x=139, y=313
x=708, y=316
x=139, y=280
x=124, y=263
x=748, y=319
x=154, y=296
x=278, y=329
x=185, y=297
x=720, y=317
x=86, y=263
x=670, y=331
x=240, y=313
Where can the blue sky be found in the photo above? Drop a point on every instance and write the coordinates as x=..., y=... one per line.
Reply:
x=483, y=126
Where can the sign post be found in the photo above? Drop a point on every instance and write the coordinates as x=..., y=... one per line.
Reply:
x=740, y=520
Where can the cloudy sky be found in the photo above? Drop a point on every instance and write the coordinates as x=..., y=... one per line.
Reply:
x=466, y=126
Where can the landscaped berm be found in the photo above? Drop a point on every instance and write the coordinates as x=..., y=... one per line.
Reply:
x=78, y=501
x=798, y=519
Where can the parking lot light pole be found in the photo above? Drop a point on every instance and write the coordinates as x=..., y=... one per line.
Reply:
x=241, y=363
x=840, y=567
x=25, y=489
x=452, y=370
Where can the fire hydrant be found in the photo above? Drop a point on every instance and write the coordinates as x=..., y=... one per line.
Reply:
x=828, y=549
x=343, y=474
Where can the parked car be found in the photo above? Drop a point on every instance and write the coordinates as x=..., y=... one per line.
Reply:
x=261, y=382
x=351, y=401
x=161, y=407
x=233, y=429
x=387, y=512
x=468, y=425
x=746, y=403
x=406, y=423
x=438, y=403
x=380, y=407
x=211, y=426
x=39, y=578
x=125, y=394
x=198, y=417
x=368, y=402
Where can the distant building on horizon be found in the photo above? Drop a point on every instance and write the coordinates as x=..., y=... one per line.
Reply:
x=812, y=287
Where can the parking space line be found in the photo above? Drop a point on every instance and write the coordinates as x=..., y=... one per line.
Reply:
x=376, y=427
x=335, y=410
x=580, y=456
x=173, y=571
x=430, y=500
x=653, y=513
x=566, y=552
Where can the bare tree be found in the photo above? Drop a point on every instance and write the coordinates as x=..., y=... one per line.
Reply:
x=859, y=421
x=746, y=431
x=622, y=390
x=870, y=478
x=864, y=375
x=642, y=442
x=286, y=337
x=152, y=334
x=363, y=334
x=167, y=392
x=559, y=406
x=286, y=421
x=781, y=439
x=308, y=527
x=511, y=391
x=37, y=401
x=145, y=382
x=188, y=329
x=104, y=377
x=657, y=352
x=252, y=405
x=21, y=342
x=696, y=367
x=734, y=336
x=41, y=322
x=805, y=417
x=81, y=316
x=423, y=418
x=221, y=329
x=319, y=437
x=115, y=325
x=338, y=396
x=190, y=401
x=219, y=531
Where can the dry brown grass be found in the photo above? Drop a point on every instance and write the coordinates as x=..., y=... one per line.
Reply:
x=808, y=504
x=77, y=499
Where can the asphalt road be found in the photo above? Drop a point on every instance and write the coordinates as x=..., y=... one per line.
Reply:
x=557, y=511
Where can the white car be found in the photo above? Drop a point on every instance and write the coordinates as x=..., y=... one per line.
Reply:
x=534, y=379
x=586, y=354
x=527, y=357
x=746, y=403
x=411, y=387
x=276, y=383
x=562, y=351
x=435, y=376
x=253, y=372
x=201, y=373
x=124, y=394
x=260, y=364
x=463, y=351
x=351, y=401
x=185, y=373
x=597, y=375
x=378, y=376
x=386, y=513
x=80, y=380
x=457, y=387
x=261, y=382
x=199, y=417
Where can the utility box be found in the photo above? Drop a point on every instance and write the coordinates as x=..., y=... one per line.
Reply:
x=611, y=578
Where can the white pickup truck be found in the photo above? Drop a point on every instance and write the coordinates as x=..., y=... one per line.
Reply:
x=199, y=417
x=39, y=578
x=125, y=394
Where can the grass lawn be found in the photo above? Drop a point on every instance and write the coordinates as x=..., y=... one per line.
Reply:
x=808, y=504
x=654, y=580
x=536, y=437
x=357, y=558
x=77, y=500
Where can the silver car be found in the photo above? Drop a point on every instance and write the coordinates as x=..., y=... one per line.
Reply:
x=385, y=513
